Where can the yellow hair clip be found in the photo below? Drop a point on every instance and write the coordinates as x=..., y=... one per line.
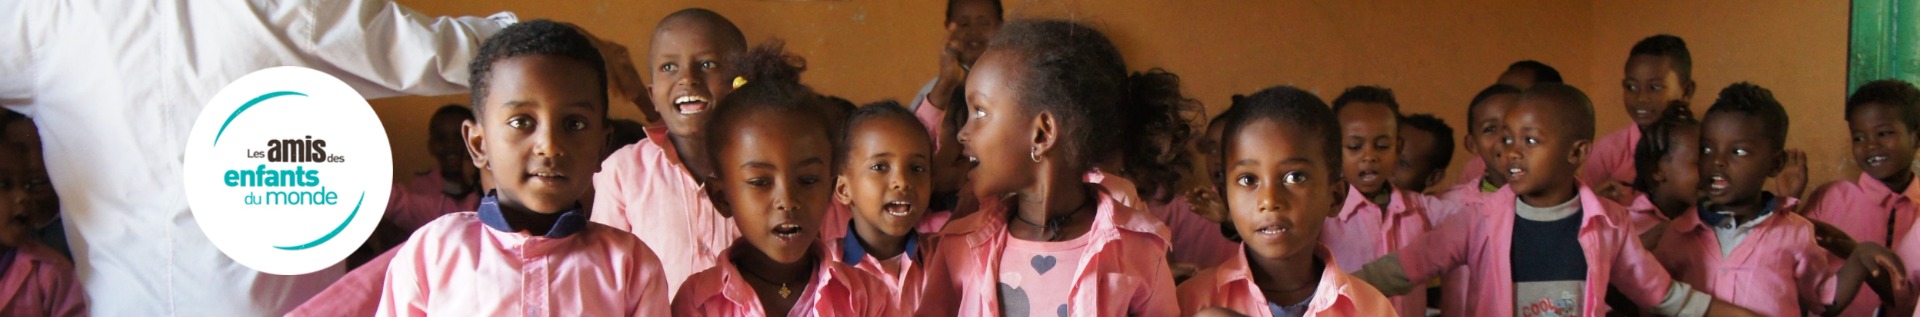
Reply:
x=739, y=81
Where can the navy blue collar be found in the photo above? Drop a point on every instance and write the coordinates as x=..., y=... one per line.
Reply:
x=853, y=252
x=1712, y=217
x=570, y=222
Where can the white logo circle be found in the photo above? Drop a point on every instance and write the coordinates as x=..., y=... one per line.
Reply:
x=288, y=170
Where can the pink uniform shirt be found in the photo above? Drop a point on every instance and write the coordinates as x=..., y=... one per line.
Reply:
x=904, y=283
x=1776, y=270
x=1468, y=197
x=1612, y=157
x=1643, y=215
x=40, y=282
x=1200, y=240
x=1231, y=286
x=1362, y=232
x=1868, y=212
x=476, y=264
x=356, y=294
x=834, y=290
x=644, y=189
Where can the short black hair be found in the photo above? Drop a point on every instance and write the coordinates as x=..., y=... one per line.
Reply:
x=884, y=109
x=773, y=85
x=1369, y=94
x=1291, y=106
x=726, y=34
x=537, y=37
x=1473, y=107
x=1749, y=99
x=452, y=110
x=1442, y=136
x=1894, y=93
x=1575, y=109
x=998, y=11
x=1671, y=47
x=1656, y=143
x=1541, y=72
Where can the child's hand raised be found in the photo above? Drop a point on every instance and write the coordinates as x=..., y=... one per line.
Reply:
x=1792, y=180
x=1874, y=265
x=952, y=74
x=622, y=77
x=1206, y=203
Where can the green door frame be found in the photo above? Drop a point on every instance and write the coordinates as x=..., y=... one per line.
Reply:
x=1884, y=42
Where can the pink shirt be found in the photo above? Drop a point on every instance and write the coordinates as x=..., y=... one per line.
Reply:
x=834, y=290
x=40, y=282
x=1362, y=232
x=1612, y=157
x=1643, y=215
x=643, y=189
x=356, y=294
x=904, y=283
x=468, y=264
x=1776, y=270
x=1200, y=240
x=1469, y=197
x=1231, y=286
x=1864, y=208
x=931, y=117
x=1122, y=272
x=416, y=205
x=1482, y=241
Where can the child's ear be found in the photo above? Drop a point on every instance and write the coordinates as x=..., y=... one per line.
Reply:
x=1472, y=145
x=1436, y=178
x=1579, y=153
x=717, y=194
x=1687, y=92
x=475, y=142
x=841, y=191
x=1045, y=132
x=1779, y=163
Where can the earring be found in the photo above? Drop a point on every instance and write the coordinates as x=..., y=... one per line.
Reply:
x=1034, y=154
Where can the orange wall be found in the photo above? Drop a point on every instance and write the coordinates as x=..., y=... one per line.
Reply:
x=1434, y=55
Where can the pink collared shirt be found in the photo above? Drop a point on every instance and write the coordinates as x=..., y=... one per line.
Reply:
x=422, y=201
x=1200, y=240
x=1231, y=286
x=1776, y=270
x=1612, y=157
x=458, y=266
x=1864, y=208
x=1124, y=271
x=1362, y=232
x=1468, y=197
x=903, y=283
x=40, y=282
x=834, y=290
x=1472, y=172
x=1643, y=215
x=356, y=294
x=1482, y=240
x=643, y=189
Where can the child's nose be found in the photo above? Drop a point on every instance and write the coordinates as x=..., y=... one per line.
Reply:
x=545, y=144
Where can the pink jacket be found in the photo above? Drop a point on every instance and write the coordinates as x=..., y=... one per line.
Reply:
x=905, y=285
x=1231, y=286
x=1862, y=208
x=1361, y=232
x=1482, y=241
x=1124, y=271
x=1200, y=240
x=1612, y=157
x=1643, y=215
x=422, y=200
x=1777, y=270
x=1469, y=197
x=835, y=290
x=643, y=189
x=40, y=282
x=475, y=264
x=356, y=294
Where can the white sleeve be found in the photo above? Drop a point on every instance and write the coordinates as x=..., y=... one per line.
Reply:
x=16, y=87
x=378, y=43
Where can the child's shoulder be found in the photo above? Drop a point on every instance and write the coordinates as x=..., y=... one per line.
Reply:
x=42, y=255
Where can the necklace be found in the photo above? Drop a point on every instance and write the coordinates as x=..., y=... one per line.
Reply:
x=784, y=291
x=1052, y=227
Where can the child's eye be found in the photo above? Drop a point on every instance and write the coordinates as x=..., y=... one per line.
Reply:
x=519, y=122
x=1658, y=87
x=1630, y=87
x=809, y=180
x=759, y=182
x=1506, y=140
x=917, y=168
x=1739, y=152
x=668, y=68
x=1295, y=177
x=877, y=167
x=1245, y=180
x=1859, y=138
x=577, y=125
x=1706, y=150
x=979, y=113
x=1533, y=140
x=709, y=65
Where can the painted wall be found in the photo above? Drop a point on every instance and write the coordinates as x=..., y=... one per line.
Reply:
x=1435, y=56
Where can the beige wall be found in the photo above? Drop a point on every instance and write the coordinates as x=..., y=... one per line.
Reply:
x=1434, y=55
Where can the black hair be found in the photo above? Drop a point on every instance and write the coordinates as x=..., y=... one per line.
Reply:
x=1542, y=73
x=1578, y=110
x=1671, y=47
x=1488, y=93
x=727, y=35
x=1286, y=105
x=1900, y=95
x=1749, y=99
x=1656, y=143
x=998, y=11
x=1075, y=73
x=773, y=85
x=884, y=109
x=453, y=110
x=1442, y=137
x=1368, y=94
x=625, y=132
x=537, y=37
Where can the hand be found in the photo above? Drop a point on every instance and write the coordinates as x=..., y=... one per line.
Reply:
x=1205, y=203
x=952, y=74
x=1617, y=191
x=1792, y=180
x=1832, y=238
x=1873, y=265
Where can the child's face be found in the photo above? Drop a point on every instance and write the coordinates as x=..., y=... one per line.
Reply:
x=1541, y=156
x=1278, y=189
x=1736, y=158
x=1680, y=171
x=1416, y=160
x=1370, y=136
x=1882, y=145
x=969, y=27
x=1651, y=86
x=13, y=198
x=999, y=133
x=775, y=180
x=887, y=180
x=42, y=203
x=1487, y=137
x=443, y=141
x=542, y=131
x=690, y=73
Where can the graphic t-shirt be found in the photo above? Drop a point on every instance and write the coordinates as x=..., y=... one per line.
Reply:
x=1549, y=270
x=1036, y=276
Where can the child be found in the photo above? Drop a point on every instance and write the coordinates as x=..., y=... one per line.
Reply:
x=1666, y=172
x=652, y=188
x=1524, y=74
x=885, y=178
x=541, y=108
x=1659, y=71
x=1485, y=124
x=968, y=24
x=1878, y=207
x=774, y=149
x=1425, y=154
x=1544, y=245
x=453, y=185
x=42, y=203
x=1045, y=241
x=1376, y=218
x=34, y=279
x=1740, y=243
x=1282, y=148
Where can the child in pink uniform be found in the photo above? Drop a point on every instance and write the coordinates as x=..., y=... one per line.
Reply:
x=34, y=280
x=1544, y=245
x=1884, y=120
x=1376, y=217
x=1741, y=243
x=541, y=104
x=885, y=176
x=654, y=188
x=1280, y=152
x=1666, y=165
x=1484, y=132
x=1426, y=151
x=1046, y=242
x=1659, y=71
x=774, y=176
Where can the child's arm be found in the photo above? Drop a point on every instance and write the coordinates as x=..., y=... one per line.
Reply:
x=650, y=299
x=405, y=291
x=1159, y=298
x=1874, y=266
x=608, y=207
x=1644, y=280
x=1432, y=254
